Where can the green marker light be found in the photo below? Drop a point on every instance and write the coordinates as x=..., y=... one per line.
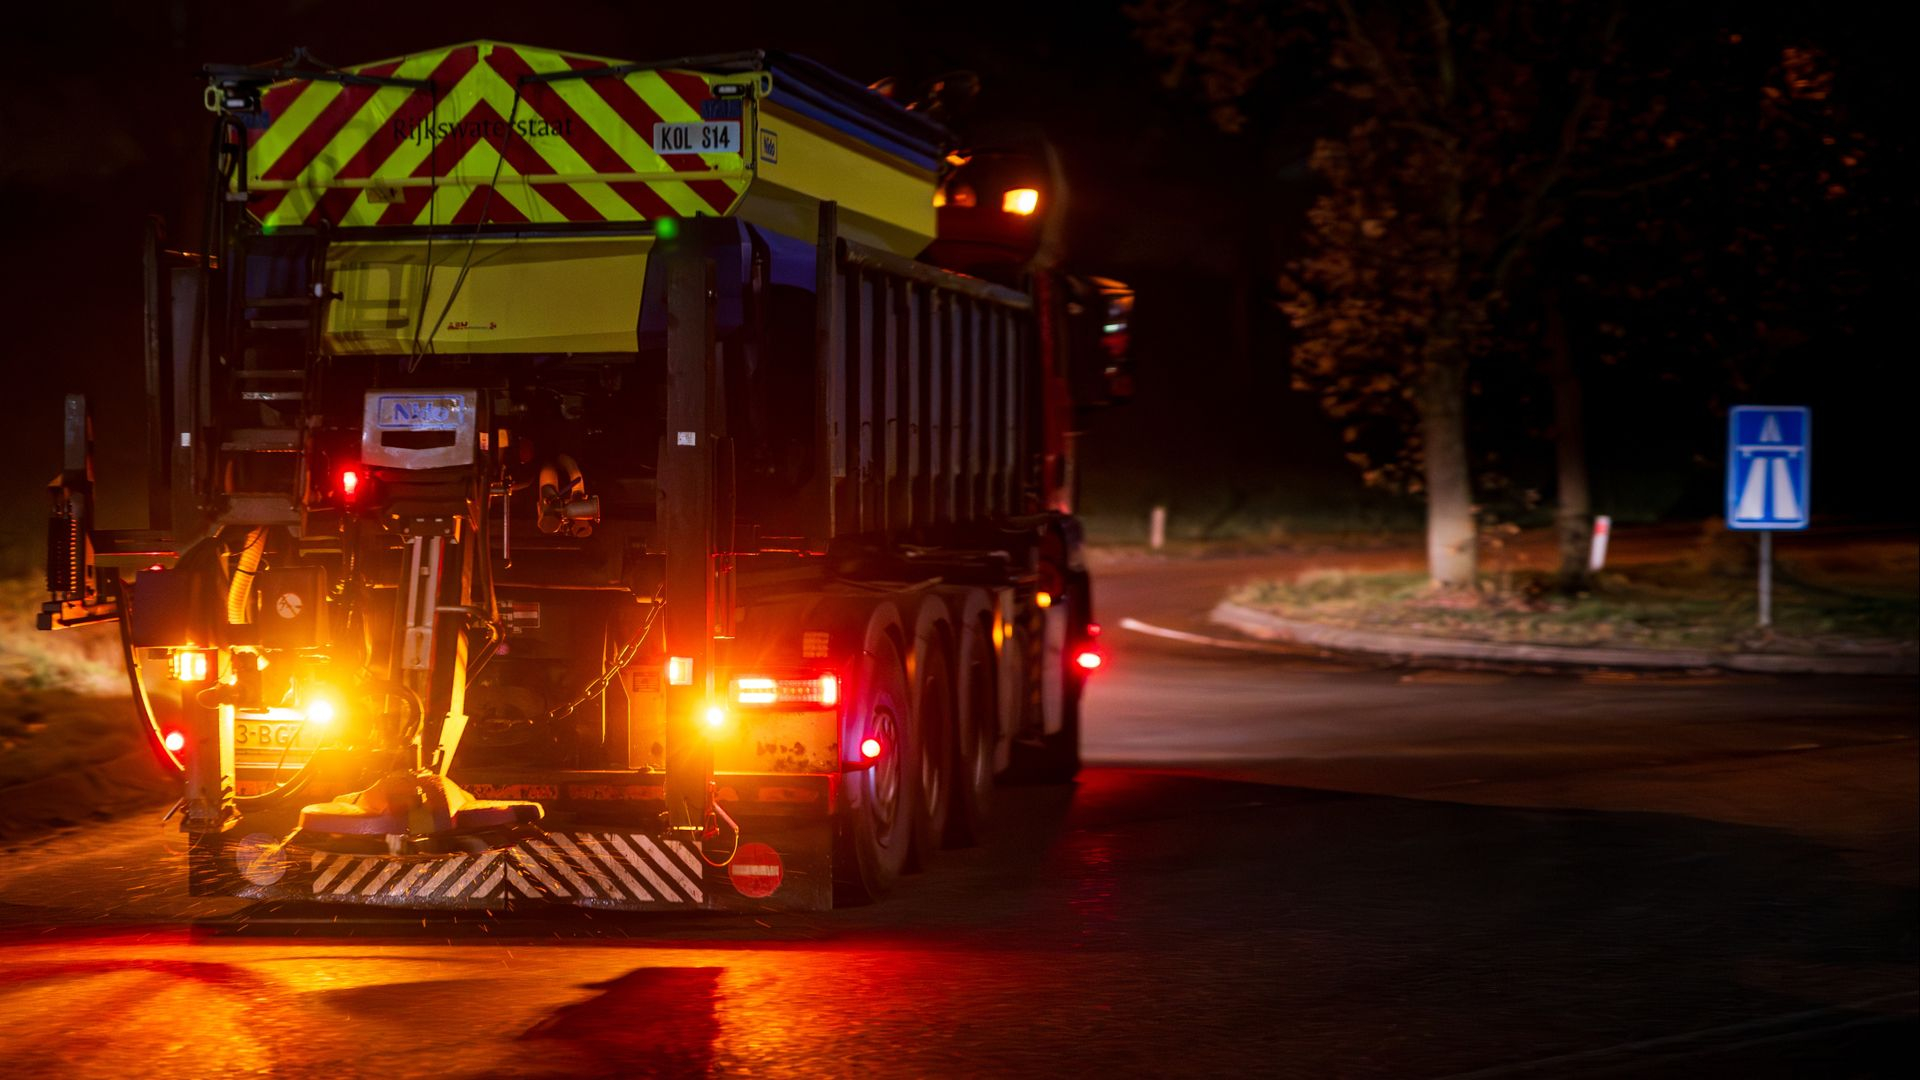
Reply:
x=667, y=228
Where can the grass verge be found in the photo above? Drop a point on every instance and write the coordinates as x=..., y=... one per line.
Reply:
x=1850, y=601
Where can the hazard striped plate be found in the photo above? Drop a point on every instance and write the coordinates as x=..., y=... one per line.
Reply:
x=487, y=131
x=588, y=869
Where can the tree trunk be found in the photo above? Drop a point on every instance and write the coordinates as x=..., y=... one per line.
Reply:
x=1573, y=516
x=1451, y=546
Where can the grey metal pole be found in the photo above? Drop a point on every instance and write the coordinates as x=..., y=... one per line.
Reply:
x=1766, y=579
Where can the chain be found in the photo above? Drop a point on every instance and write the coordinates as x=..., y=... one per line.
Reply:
x=621, y=661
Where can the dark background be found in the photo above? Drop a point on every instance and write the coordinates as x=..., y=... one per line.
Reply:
x=103, y=126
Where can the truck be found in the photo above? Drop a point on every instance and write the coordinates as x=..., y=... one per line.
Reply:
x=574, y=481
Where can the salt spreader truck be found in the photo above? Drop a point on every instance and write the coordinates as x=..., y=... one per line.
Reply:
x=624, y=485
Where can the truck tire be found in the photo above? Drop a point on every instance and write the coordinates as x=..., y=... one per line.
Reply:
x=933, y=715
x=976, y=728
x=1056, y=760
x=875, y=826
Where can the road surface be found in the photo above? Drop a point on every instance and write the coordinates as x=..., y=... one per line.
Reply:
x=1276, y=866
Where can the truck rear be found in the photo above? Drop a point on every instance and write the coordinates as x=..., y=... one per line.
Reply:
x=568, y=487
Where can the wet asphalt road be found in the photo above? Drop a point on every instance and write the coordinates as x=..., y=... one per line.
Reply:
x=1280, y=865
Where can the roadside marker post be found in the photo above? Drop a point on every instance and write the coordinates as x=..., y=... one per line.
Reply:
x=1769, y=477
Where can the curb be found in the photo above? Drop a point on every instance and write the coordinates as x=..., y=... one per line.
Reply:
x=131, y=781
x=1266, y=627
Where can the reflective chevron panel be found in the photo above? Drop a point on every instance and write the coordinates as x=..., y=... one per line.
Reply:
x=590, y=869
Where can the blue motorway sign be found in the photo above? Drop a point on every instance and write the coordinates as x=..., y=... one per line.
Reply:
x=1768, y=472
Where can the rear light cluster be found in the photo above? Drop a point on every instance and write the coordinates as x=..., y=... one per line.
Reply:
x=822, y=691
x=1089, y=657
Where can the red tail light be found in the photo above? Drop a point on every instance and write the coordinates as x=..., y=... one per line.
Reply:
x=174, y=741
x=349, y=484
x=1088, y=660
x=870, y=748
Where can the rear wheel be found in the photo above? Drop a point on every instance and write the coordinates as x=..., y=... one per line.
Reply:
x=933, y=709
x=875, y=824
x=1056, y=760
x=976, y=735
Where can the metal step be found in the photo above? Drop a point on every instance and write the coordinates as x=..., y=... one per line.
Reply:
x=273, y=395
x=271, y=373
x=263, y=440
x=259, y=508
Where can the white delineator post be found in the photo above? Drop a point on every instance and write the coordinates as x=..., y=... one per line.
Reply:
x=1157, y=528
x=1597, y=551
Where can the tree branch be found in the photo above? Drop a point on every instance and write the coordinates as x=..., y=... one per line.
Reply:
x=1411, y=101
x=1442, y=29
x=1621, y=191
x=1533, y=206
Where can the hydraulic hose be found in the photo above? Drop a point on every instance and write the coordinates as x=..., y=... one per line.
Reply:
x=241, y=587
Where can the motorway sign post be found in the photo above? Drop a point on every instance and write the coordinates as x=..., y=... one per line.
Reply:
x=1769, y=450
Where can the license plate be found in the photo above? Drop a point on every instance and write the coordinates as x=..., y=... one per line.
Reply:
x=397, y=412
x=266, y=740
x=705, y=137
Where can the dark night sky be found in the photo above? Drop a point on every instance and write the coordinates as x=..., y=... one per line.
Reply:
x=103, y=126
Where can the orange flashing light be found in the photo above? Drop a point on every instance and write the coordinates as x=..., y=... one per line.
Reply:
x=1023, y=201
x=174, y=742
x=189, y=665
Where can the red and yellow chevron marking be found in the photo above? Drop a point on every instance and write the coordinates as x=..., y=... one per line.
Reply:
x=577, y=150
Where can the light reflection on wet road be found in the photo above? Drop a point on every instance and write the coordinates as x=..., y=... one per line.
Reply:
x=1293, y=867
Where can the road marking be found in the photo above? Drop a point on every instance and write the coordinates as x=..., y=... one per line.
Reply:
x=1556, y=1064
x=1138, y=627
